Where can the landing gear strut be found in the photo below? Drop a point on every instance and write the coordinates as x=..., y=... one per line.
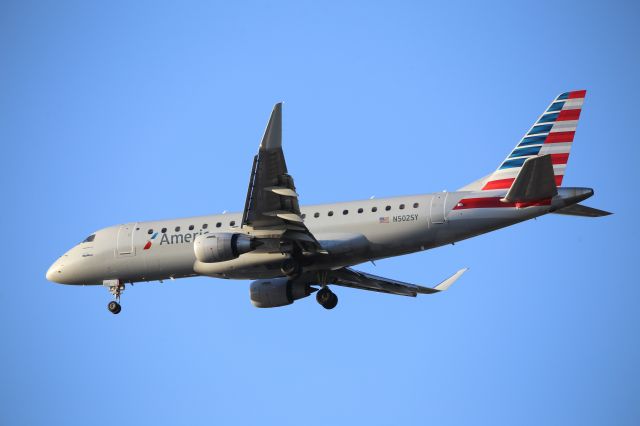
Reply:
x=326, y=298
x=116, y=287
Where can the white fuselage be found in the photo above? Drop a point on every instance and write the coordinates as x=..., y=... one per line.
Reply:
x=351, y=232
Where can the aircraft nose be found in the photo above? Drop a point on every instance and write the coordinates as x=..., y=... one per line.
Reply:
x=54, y=273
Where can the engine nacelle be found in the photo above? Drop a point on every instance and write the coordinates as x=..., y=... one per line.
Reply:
x=271, y=293
x=210, y=248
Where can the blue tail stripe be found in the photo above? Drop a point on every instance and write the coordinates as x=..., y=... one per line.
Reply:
x=509, y=164
x=532, y=150
x=533, y=140
x=548, y=118
x=541, y=129
x=556, y=106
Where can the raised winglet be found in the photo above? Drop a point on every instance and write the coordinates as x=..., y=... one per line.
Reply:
x=272, y=138
x=453, y=278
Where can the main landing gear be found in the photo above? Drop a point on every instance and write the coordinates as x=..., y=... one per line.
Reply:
x=115, y=287
x=326, y=298
x=291, y=268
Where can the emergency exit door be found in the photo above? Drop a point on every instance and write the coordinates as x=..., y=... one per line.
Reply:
x=124, y=246
x=438, y=205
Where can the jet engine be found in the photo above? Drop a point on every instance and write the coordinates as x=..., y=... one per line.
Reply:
x=271, y=293
x=211, y=248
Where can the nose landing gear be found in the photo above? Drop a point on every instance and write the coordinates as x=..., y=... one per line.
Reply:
x=114, y=307
x=115, y=287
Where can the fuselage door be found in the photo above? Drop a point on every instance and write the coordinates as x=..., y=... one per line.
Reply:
x=438, y=204
x=124, y=245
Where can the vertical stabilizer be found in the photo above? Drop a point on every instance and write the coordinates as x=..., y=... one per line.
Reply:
x=552, y=134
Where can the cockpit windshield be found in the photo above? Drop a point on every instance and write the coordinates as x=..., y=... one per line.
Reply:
x=90, y=238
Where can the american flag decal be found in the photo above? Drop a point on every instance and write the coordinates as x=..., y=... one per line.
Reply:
x=384, y=219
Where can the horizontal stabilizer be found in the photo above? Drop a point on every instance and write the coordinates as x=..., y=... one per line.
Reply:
x=580, y=210
x=535, y=181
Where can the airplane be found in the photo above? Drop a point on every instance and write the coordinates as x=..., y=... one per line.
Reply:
x=292, y=252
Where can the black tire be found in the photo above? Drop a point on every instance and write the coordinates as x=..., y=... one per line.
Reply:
x=326, y=298
x=291, y=268
x=323, y=295
x=114, y=307
x=332, y=302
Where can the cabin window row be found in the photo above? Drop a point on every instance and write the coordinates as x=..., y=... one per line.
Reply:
x=191, y=227
x=361, y=210
x=316, y=214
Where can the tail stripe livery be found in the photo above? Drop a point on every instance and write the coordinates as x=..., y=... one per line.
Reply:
x=552, y=134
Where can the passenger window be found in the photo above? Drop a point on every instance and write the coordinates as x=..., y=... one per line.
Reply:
x=304, y=215
x=205, y=226
x=90, y=238
x=150, y=231
x=232, y=223
x=415, y=205
x=218, y=225
x=330, y=213
x=374, y=209
x=316, y=214
x=360, y=210
x=401, y=206
x=387, y=208
x=345, y=212
x=163, y=230
x=190, y=227
x=177, y=229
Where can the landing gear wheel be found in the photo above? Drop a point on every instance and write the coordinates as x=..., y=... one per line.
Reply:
x=115, y=287
x=114, y=307
x=291, y=268
x=326, y=298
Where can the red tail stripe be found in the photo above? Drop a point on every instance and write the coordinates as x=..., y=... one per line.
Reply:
x=577, y=94
x=494, y=203
x=560, y=137
x=506, y=183
x=498, y=184
x=560, y=158
x=569, y=114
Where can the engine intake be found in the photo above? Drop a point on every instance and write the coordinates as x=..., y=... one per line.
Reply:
x=211, y=248
x=271, y=293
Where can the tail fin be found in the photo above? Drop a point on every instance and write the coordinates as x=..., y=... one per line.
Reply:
x=551, y=134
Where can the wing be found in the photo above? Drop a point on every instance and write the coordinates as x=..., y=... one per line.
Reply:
x=348, y=277
x=271, y=209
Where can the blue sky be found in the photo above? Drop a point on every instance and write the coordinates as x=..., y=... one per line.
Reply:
x=113, y=112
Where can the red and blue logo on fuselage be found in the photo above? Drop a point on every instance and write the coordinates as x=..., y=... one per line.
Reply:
x=148, y=245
